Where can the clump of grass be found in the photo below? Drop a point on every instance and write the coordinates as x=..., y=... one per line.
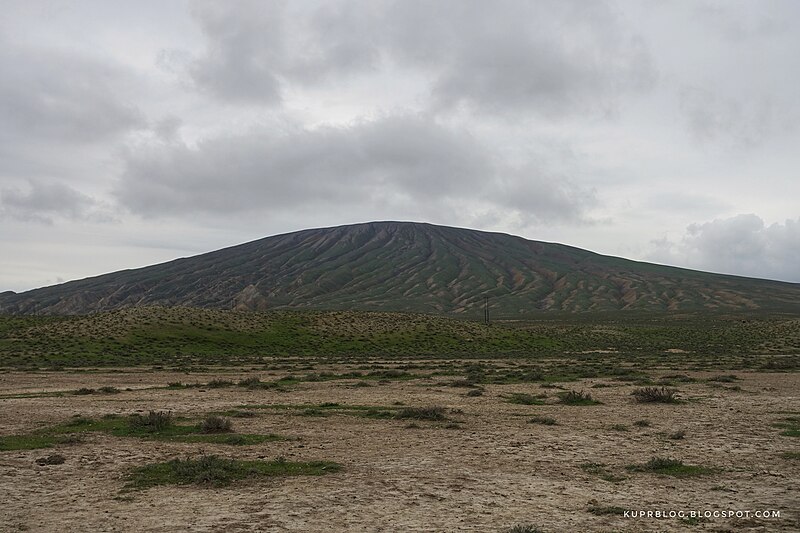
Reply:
x=677, y=435
x=728, y=378
x=655, y=395
x=374, y=412
x=791, y=456
x=78, y=420
x=577, y=398
x=683, y=378
x=53, y=459
x=218, y=383
x=524, y=528
x=251, y=383
x=216, y=424
x=790, y=426
x=642, y=423
x=600, y=470
x=474, y=392
x=176, y=385
x=601, y=510
x=464, y=383
x=210, y=470
x=619, y=427
x=671, y=467
x=241, y=414
x=422, y=413
x=83, y=391
x=522, y=398
x=543, y=420
x=109, y=390
x=154, y=421
x=313, y=411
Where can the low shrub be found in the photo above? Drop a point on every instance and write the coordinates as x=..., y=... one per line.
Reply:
x=154, y=421
x=422, y=413
x=216, y=424
x=655, y=395
x=54, y=459
x=577, y=398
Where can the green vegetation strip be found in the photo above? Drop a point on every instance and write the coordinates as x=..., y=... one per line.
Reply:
x=435, y=413
x=185, y=337
x=216, y=471
x=125, y=427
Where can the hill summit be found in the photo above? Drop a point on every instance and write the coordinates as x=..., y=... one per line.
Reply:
x=412, y=267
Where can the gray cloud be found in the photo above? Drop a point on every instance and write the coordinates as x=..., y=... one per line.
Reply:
x=255, y=47
x=741, y=124
x=742, y=245
x=684, y=202
x=245, y=48
x=49, y=95
x=43, y=201
x=398, y=161
x=550, y=57
x=537, y=196
x=738, y=22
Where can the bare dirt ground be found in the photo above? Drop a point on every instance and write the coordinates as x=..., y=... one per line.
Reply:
x=487, y=468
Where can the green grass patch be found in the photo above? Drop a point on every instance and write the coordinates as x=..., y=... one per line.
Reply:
x=790, y=426
x=728, y=378
x=671, y=467
x=523, y=528
x=153, y=426
x=600, y=470
x=422, y=413
x=522, y=398
x=602, y=510
x=213, y=471
x=29, y=442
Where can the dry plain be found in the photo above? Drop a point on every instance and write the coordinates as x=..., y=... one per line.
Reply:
x=487, y=465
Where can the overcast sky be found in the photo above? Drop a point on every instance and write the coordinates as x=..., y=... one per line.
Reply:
x=133, y=133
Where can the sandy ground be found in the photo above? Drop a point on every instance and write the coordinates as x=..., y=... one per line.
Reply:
x=494, y=471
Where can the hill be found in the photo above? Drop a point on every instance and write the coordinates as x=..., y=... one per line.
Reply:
x=408, y=267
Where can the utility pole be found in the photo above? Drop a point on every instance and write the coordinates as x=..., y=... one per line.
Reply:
x=486, y=310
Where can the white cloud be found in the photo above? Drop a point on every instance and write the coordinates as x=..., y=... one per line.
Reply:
x=742, y=245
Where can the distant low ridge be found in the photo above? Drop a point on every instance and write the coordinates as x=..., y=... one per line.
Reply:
x=407, y=266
